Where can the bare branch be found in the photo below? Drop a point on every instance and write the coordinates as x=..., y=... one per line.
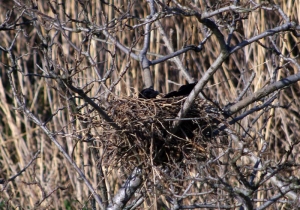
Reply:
x=127, y=190
x=270, y=32
x=202, y=82
x=34, y=119
x=93, y=104
x=262, y=93
x=2, y=181
x=143, y=54
x=171, y=51
x=283, y=192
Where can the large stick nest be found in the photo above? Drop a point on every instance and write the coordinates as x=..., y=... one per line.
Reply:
x=146, y=126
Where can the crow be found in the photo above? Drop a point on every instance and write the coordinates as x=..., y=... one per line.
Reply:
x=172, y=94
x=184, y=90
x=148, y=93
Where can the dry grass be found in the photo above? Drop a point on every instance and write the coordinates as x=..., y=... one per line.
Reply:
x=50, y=177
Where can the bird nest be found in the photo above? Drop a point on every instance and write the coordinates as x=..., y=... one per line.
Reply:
x=146, y=130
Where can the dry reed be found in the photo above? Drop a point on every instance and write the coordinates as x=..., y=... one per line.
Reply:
x=50, y=175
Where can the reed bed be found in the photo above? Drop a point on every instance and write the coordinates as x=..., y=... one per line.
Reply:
x=51, y=183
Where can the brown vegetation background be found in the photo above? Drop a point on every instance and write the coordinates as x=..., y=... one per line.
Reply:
x=50, y=182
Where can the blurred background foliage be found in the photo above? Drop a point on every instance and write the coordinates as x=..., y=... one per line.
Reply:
x=50, y=174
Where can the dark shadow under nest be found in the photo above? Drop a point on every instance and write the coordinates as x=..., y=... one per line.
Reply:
x=145, y=130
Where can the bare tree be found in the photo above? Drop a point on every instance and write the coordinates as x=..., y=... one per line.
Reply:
x=77, y=132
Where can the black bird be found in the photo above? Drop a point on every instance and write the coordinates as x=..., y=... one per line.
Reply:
x=148, y=93
x=172, y=94
x=184, y=90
